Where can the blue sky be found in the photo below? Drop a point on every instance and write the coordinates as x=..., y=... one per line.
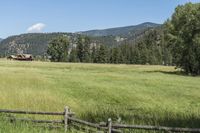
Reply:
x=22, y=16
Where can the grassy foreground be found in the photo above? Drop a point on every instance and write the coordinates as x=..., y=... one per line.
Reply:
x=136, y=94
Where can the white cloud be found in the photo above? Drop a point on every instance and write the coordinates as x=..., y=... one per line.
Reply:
x=39, y=27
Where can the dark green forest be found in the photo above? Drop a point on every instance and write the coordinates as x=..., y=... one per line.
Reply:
x=149, y=49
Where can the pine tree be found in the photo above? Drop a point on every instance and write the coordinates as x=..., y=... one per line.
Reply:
x=93, y=55
x=116, y=56
x=135, y=55
x=80, y=50
x=86, y=53
x=73, y=55
x=102, y=54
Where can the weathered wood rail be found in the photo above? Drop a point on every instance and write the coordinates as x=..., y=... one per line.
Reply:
x=108, y=127
x=32, y=112
x=157, y=128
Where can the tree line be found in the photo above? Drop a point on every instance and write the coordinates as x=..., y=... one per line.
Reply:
x=148, y=50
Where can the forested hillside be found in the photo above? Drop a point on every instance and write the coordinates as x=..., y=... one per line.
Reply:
x=36, y=43
x=121, y=31
x=148, y=48
x=32, y=43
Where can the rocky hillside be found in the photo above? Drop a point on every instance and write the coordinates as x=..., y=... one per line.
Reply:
x=36, y=43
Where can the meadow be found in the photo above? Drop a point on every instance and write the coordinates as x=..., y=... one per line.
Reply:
x=134, y=94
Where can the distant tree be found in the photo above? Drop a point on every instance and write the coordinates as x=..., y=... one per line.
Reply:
x=73, y=55
x=167, y=57
x=58, y=49
x=184, y=37
x=126, y=53
x=102, y=55
x=94, y=54
x=154, y=47
x=83, y=49
x=80, y=49
x=135, y=55
x=87, y=51
x=116, y=55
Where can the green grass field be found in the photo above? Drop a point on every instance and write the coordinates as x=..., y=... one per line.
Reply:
x=156, y=95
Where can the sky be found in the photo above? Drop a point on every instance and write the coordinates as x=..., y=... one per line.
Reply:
x=28, y=16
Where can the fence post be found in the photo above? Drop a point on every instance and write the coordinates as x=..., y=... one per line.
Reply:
x=66, y=112
x=109, y=125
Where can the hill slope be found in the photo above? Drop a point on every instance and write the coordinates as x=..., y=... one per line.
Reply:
x=120, y=30
x=33, y=43
x=36, y=43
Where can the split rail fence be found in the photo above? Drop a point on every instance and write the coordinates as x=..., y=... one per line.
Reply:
x=109, y=127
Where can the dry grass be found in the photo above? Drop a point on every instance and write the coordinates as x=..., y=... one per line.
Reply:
x=138, y=94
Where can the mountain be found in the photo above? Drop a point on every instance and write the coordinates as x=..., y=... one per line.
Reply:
x=122, y=31
x=1, y=39
x=36, y=43
x=32, y=43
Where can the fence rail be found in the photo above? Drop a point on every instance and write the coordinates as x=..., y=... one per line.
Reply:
x=158, y=128
x=32, y=112
x=36, y=121
x=108, y=127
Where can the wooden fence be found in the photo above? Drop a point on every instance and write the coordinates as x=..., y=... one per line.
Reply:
x=109, y=127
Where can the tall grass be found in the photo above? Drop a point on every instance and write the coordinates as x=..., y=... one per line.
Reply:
x=157, y=95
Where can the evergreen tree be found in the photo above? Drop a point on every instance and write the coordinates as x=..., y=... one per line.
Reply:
x=102, y=56
x=83, y=49
x=116, y=56
x=87, y=52
x=80, y=50
x=73, y=55
x=93, y=55
x=135, y=56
